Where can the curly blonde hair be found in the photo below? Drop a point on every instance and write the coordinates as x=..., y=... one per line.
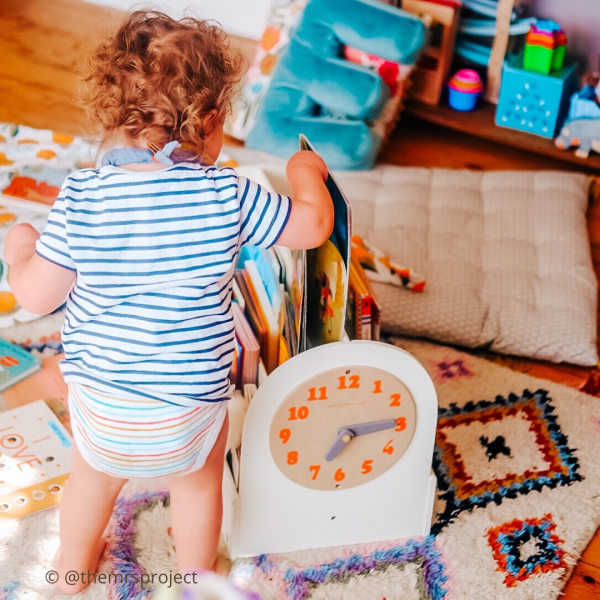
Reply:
x=159, y=79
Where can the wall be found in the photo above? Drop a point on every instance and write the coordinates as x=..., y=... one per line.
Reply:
x=240, y=17
x=580, y=19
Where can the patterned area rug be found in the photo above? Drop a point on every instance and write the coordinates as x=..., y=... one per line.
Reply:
x=518, y=499
x=518, y=489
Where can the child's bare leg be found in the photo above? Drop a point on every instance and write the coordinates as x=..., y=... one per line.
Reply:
x=85, y=509
x=197, y=510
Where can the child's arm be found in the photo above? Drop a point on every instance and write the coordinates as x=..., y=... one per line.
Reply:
x=39, y=285
x=311, y=219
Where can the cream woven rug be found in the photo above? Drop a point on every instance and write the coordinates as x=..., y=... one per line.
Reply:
x=519, y=499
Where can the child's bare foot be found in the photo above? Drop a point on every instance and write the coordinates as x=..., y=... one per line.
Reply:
x=76, y=573
x=221, y=565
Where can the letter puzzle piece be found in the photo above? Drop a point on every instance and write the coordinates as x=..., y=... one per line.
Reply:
x=333, y=102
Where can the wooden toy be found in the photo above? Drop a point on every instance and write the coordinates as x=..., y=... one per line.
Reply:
x=337, y=449
x=501, y=23
x=442, y=16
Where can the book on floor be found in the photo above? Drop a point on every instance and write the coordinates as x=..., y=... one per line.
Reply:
x=35, y=460
x=35, y=186
x=15, y=364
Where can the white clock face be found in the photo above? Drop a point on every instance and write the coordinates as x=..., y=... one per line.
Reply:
x=342, y=428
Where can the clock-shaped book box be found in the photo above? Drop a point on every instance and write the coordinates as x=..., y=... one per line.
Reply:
x=337, y=449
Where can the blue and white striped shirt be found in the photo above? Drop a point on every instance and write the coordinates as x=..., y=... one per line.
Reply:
x=155, y=253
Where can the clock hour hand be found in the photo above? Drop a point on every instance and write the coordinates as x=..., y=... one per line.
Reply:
x=344, y=437
x=348, y=433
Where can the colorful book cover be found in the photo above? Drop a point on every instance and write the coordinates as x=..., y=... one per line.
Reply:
x=36, y=183
x=15, y=364
x=362, y=304
x=35, y=460
x=327, y=272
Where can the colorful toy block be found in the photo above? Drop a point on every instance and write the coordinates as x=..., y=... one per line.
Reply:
x=545, y=47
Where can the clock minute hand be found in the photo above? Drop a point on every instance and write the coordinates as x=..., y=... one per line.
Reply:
x=347, y=434
x=371, y=426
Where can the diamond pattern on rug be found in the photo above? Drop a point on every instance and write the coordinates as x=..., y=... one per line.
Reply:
x=410, y=571
x=502, y=542
x=525, y=548
x=521, y=448
x=450, y=369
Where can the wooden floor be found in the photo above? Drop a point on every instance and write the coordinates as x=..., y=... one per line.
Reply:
x=41, y=48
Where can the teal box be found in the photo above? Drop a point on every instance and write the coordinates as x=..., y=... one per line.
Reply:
x=535, y=102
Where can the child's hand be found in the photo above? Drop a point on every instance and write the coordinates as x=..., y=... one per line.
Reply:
x=18, y=236
x=311, y=220
x=306, y=158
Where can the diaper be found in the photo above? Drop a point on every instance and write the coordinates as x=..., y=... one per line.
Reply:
x=139, y=437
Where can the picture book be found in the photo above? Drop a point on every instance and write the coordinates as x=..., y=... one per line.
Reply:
x=248, y=349
x=293, y=300
x=362, y=305
x=326, y=274
x=35, y=460
x=36, y=184
x=15, y=364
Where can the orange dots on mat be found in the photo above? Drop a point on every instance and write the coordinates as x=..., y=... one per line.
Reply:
x=61, y=138
x=231, y=163
x=7, y=302
x=5, y=161
x=267, y=64
x=270, y=38
x=27, y=141
x=47, y=154
x=6, y=218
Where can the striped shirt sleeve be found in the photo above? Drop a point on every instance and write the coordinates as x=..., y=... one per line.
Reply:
x=53, y=244
x=263, y=214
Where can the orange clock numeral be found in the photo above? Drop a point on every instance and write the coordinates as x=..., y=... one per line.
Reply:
x=377, y=389
x=395, y=400
x=316, y=469
x=354, y=382
x=285, y=435
x=339, y=475
x=366, y=467
x=292, y=458
x=389, y=449
x=312, y=394
x=400, y=424
x=300, y=413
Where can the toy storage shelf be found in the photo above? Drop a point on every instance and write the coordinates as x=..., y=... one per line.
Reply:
x=480, y=123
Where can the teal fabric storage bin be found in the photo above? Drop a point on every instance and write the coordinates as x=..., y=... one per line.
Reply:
x=535, y=102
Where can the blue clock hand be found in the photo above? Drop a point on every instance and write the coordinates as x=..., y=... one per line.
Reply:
x=344, y=437
x=347, y=434
x=371, y=426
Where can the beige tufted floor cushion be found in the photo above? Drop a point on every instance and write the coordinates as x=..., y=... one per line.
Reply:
x=506, y=256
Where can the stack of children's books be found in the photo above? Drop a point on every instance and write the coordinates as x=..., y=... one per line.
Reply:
x=287, y=301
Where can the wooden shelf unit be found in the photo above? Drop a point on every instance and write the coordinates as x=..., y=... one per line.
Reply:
x=481, y=123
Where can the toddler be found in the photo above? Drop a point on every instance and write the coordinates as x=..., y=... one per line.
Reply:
x=144, y=250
